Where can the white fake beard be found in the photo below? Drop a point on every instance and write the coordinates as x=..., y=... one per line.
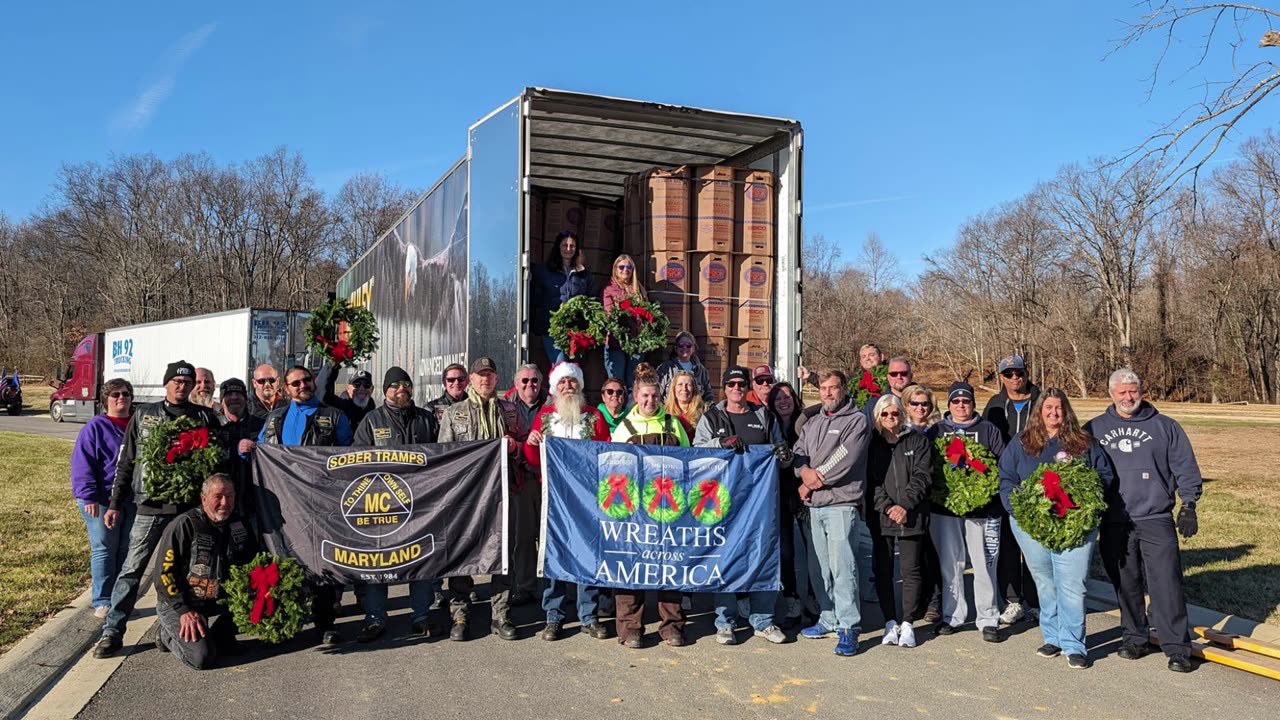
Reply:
x=569, y=408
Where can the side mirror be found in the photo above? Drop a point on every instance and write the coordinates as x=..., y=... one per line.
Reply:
x=58, y=375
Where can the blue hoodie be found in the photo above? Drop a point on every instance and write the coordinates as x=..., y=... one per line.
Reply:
x=1016, y=466
x=1152, y=458
x=988, y=436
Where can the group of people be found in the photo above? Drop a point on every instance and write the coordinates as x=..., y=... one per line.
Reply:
x=850, y=477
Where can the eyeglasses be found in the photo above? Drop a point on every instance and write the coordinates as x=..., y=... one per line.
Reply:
x=920, y=403
x=266, y=381
x=529, y=381
x=302, y=382
x=900, y=373
x=401, y=384
x=1011, y=374
x=613, y=391
x=684, y=345
x=764, y=381
x=890, y=414
x=121, y=394
x=735, y=384
x=626, y=266
x=456, y=379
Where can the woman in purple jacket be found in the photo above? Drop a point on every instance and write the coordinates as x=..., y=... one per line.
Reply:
x=93, y=466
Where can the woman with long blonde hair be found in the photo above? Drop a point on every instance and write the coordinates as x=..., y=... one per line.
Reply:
x=624, y=282
x=684, y=403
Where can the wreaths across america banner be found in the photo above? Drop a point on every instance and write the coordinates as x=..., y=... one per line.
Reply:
x=385, y=515
x=646, y=517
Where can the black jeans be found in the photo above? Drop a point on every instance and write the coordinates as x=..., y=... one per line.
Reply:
x=912, y=565
x=787, y=547
x=1143, y=556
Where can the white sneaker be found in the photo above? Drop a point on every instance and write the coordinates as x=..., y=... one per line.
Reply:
x=906, y=636
x=890, y=633
x=100, y=611
x=744, y=609
x=1012, y=613
x=795, y=608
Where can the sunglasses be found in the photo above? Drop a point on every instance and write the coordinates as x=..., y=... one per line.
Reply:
x=764, y=381
x=302, y=382
x=529, y=381
x=684, y=346
x=613, y=391
x=362, y=384
x=401, y=384
x=920, y=403
x=266, y=381
x=626, y=266
x=121, y=394
x=735, y=384
x=890, y=414
x=456, y=379
x=961, y=401
x=1014, y=374
x=900, y=373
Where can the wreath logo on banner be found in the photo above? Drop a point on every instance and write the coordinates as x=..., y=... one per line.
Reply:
x=663, y=499
x=178, y=459
x=1060, y=504
x=964, y=474
x=638, y=325
x=869, y=384
x=712, y=501
x=618, y=496
x=578, y=325
x=267, y=598
x=342, y=332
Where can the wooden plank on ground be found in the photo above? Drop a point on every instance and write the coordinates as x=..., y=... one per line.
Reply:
x=1239, y=642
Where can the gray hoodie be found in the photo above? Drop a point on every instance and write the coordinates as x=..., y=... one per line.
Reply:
x=836, y=445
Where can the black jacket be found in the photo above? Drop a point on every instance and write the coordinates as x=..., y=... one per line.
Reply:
x=322, y=426
x=327, y=381
x=438, y=405
x=238, y=467
x=131, y=469
x=389, y=427
x=196, y=556
x=1008, y=419
x=260, y=411
x=900, y=474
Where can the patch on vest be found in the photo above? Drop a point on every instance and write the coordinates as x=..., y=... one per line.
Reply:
x=150, y=421
x=325, y=423
x=381, y=433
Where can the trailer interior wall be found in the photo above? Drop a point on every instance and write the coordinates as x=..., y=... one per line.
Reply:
x=588, y=144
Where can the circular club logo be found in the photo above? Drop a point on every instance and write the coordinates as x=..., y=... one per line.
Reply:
x=715, y=272
x=757, y=192
x=673, y=272
x=377, y=505
x=756, y=276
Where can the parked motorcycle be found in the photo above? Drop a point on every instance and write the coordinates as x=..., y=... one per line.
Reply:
x=11, y=393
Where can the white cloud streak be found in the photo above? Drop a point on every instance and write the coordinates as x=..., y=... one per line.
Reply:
x=140, y=112
x=858, y=203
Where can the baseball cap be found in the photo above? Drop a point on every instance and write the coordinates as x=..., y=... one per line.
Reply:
x=232, y=385
x=483, y=364
x=761, y=371
x=1011, y=362
x=361, y=376
x=736, y=372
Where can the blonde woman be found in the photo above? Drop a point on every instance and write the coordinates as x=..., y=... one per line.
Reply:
x=683, y=401
x=623, y=283
x=922, y=411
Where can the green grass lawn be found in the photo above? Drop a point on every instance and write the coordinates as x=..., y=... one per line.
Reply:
x=1233, y=563
x=44, y=550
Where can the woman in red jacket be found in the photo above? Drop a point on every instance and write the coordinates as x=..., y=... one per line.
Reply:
x=623, y=283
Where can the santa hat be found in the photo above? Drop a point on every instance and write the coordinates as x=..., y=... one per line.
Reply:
x=563, y=370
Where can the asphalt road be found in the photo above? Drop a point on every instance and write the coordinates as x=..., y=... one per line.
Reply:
x=40, y=424
x=958, y=676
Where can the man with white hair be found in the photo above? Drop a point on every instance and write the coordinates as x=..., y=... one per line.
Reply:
x=202, y=394
x=1138, y=539
x=570, y=417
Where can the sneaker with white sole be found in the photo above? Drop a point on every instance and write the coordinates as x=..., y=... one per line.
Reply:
x=725, y=636
x=1012, y=613
x=906, y=636
x=100, y=612
x=890, y=633
x=773, y=634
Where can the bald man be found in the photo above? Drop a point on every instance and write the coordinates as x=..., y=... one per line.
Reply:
x=266, y=392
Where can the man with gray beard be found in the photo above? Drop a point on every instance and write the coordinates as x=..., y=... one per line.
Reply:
x=205, y=385
x=568, y=417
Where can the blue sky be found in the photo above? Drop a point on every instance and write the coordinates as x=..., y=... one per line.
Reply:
x=914, y=119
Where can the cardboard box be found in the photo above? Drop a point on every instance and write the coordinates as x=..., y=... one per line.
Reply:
x=753, y=319
x=749, y=353
x=752, y=277
x=560, y=213
x=714, y=354
x=753, y=226
x=714, y=277
x=600, y=227
x=676, y=307
x=667, y=219
x=668, y=272
x=710, y=317
x=714, y=193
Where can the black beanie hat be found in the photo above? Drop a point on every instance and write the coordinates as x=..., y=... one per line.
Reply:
x=395, y=374
x=182, y=368
x=959, y=389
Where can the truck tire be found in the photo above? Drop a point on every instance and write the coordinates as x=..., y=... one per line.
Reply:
x=15, y=409
x=55, y=410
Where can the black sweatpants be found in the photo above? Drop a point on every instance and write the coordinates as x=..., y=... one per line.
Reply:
x=912, y=565
x=1142, y=558
x=1013, y=577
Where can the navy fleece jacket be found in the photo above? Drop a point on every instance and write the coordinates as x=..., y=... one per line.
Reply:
x=1016, y=466
x=988, y=436
x=1153, y=459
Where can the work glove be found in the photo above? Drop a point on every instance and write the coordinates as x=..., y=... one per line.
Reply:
x=734, y=443
x=783, y=454
x=1188, y=526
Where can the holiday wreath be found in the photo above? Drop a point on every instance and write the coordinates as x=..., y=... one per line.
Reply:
x=1060, y=504
x=870, y=384
x=964, y=474
x=267, y=597
x=178, y=457
x=578, y=325
x=342, y=332
x=638, y=325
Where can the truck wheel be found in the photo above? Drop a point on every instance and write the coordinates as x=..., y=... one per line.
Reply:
x=15, y=409
x=55, y=410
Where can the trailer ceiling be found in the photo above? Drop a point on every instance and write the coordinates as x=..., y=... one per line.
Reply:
x=587, y=144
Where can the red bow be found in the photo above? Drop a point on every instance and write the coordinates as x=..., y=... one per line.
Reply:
x=579, y=341
x=261, y=580
x=618, y=488
x=637, y=310
x=188, y=440
x=663, y=485
x=957, y=451
x=709, y=490
x=868, y=383
x=1053, y=490
x=340, y=351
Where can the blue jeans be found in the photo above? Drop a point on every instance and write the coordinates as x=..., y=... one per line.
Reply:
x=106, y=551
x=762, y=604
x=421, y=595
x=144, y=536
x=553, y=353
x=1059, y=580
x=618, y=364
x=833, y=567
x=554, y=596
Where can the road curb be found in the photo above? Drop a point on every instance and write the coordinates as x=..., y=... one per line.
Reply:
x=39, y=660
x=1103, y=596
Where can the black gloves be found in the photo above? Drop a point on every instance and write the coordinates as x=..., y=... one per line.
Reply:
x=1188, y=526
x=734, y=443
x=783, y=454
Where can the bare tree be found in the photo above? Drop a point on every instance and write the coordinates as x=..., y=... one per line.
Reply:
x=366, y=206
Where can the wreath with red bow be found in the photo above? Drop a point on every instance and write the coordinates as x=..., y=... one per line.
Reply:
x=869, y=384
x=638, y=325
x=964, y=474
x=342, y=332
x=267, y=597
x=578, y=325
x=1060, y=504
x=179, y=455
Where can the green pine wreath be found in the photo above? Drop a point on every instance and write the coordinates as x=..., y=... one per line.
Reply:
x=714, y=501
x=636, y=312
x=618, y=505
x=289, y=608
x=867, y=384
x=1035, y=514
x=962, y=488
x=659, y=511
x=578, y=325
x=179, y=455
x=342, y=332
